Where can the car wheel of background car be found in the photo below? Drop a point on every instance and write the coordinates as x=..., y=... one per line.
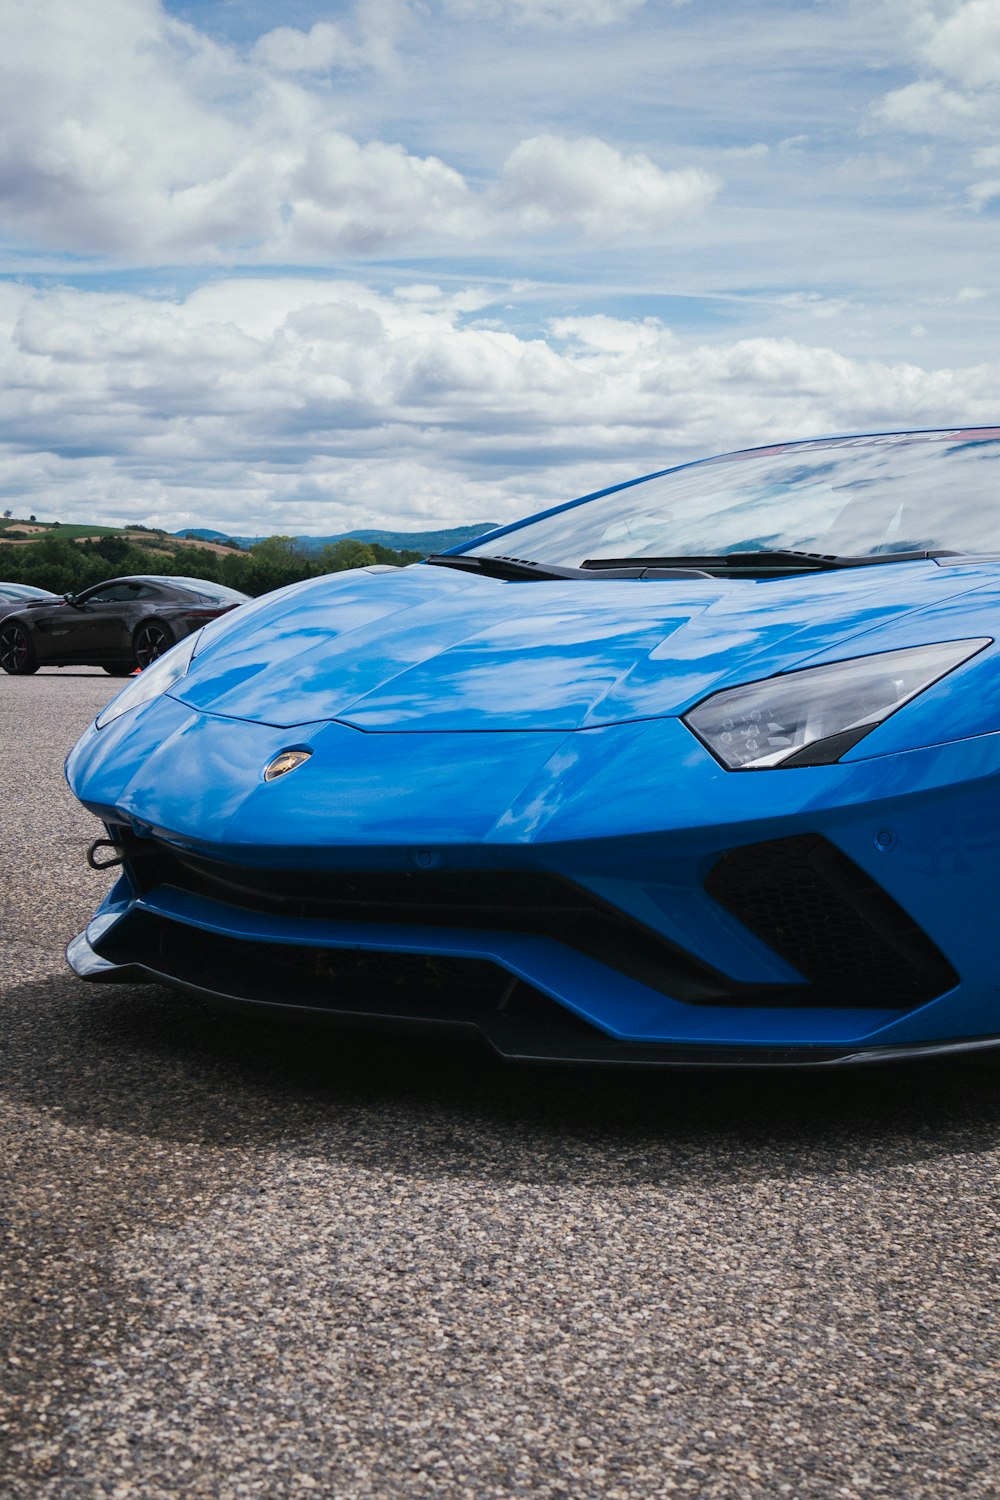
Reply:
x=122, y=671
x=17, y=654
x=150, y=641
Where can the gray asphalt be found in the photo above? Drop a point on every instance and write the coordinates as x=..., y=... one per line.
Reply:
x=247, y=1259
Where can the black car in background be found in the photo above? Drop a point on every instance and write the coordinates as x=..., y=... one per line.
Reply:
x=118, y=625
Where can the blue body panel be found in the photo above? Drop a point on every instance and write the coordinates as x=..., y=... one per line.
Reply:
x=463, y=725
x=635, y=811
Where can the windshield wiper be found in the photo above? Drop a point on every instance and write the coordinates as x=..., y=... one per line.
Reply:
x=519, y=569
x=777, y=564
x=768, y=564
x=499, y=567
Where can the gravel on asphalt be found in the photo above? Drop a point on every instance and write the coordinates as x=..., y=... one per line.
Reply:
x=246, y=1258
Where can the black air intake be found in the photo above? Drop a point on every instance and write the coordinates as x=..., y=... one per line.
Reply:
x=494, y=900
x=832, y=922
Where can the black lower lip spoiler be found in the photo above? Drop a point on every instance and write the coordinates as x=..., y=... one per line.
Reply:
x=517, y=1043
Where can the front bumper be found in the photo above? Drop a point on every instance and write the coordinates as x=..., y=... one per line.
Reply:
x=235, y=890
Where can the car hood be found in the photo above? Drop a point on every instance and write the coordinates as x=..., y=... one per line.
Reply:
x=429, y=648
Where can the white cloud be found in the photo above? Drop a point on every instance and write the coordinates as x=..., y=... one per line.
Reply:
x=549, y=14
x=959, y=41
x=420, y=133
x=358, y=198
x=983, y=193
x=964, y=44
x=134, y=135
x=755, y=152
x=107, y=119
x=609, y=335
x=370, y=40
x=814, y=304
x=323, y=47
x=549, y=180
x=929, y=106
x=872, y=172
x=293, y=404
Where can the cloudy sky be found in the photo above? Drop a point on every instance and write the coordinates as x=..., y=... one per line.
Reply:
x=308, y=266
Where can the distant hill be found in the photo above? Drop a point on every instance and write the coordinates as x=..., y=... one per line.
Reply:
x=399, y=541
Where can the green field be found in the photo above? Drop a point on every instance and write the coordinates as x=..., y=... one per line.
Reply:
x=70, y=530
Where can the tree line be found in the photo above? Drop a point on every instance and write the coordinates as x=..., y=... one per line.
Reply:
x=67, y=567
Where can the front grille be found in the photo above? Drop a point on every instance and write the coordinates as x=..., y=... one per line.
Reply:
x=812, y=904
x=508, y=901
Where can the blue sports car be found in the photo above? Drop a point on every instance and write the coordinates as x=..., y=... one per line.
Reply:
x=703, y=768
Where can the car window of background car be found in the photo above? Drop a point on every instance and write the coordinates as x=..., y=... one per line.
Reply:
x=212, y=593
x=120, y=593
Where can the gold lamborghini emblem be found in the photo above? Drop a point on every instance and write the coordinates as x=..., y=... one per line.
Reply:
x=287, y=761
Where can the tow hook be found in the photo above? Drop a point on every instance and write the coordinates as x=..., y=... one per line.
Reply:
x=104, y=864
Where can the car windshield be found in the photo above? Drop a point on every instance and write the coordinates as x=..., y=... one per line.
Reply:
x=844, y=497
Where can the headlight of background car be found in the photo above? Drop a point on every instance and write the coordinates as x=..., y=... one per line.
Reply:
x=154, y=680
x=812, y=717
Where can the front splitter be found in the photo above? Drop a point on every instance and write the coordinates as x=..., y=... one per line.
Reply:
x=516, y=1042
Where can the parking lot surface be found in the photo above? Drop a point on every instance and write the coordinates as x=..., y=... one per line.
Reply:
x=253, y=1259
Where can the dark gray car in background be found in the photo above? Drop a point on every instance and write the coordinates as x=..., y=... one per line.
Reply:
x=119, y=625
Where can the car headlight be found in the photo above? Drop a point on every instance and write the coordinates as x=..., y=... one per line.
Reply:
x=813, y=716
x=152, y=681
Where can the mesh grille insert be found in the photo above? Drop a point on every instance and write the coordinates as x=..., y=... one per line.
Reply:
x=828, y=918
